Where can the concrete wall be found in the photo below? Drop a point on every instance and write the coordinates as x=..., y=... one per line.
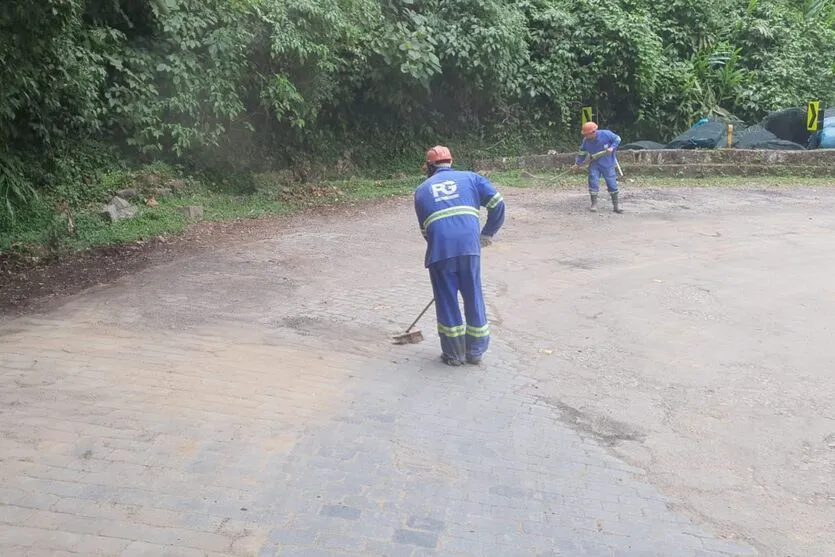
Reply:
x=697, y=162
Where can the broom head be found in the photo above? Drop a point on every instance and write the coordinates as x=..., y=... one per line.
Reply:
x=412, y=337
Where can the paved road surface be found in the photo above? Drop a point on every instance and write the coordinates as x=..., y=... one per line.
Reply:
x=660, y=384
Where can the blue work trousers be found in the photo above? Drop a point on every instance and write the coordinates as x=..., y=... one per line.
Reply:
x=462, y=274
x=596, y=171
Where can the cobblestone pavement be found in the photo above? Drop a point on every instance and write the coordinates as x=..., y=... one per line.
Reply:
x=247, y=402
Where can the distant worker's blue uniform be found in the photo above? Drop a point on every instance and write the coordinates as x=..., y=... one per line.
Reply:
x=603, y=164
x=447, y=206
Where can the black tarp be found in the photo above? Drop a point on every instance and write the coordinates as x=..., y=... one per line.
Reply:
x=641, y=146
x=788, y=124
x=745, y=138
x=775, y=145
x=755, y=135
x=705, y=136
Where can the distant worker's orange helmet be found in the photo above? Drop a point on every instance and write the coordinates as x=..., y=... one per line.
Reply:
x=437, y=154
x=589, y=128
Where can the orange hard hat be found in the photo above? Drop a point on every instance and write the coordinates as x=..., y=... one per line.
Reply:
x=589, y=128
x=438, y=153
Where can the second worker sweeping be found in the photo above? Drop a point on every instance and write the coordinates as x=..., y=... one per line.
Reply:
x=600, y=146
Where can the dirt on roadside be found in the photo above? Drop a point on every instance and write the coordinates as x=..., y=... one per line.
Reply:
x=31, y=285
x=27, y=283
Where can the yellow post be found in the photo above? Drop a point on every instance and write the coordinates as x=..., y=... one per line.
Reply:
x=730, y=135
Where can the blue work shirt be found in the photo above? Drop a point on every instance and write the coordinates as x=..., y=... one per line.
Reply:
x=590, y=147
x=447, y=206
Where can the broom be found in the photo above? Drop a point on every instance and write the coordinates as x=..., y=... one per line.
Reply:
x=591, y=158
x=415, y=336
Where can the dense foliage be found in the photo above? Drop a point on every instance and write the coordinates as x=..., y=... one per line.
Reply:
x=235, y=83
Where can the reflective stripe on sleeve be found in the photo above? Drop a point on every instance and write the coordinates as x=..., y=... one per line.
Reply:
x=495, y=200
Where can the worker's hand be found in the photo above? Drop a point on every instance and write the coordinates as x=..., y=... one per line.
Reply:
x=486, y=241
x=611, y=149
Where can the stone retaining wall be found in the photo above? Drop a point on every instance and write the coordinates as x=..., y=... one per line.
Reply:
x=697, y=162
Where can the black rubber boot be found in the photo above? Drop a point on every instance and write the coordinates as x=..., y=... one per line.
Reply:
x=616, y=202
x=474, y=360
x=593, y=207
x=450, y=361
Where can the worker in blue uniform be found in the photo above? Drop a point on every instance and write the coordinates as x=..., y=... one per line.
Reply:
x=448, y=205
x=599, y=146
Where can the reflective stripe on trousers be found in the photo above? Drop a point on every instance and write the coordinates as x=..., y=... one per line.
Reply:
x=460, y=340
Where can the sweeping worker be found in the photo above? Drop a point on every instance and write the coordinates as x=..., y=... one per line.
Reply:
x=600, y=145
x=447, y=205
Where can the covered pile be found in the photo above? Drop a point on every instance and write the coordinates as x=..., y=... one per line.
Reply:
x=780, y=130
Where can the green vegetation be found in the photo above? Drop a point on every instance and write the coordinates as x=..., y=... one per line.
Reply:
x=248, y=196
x=234, y=89
x=266, y=194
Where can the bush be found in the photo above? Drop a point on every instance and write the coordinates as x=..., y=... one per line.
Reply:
x=245, y=85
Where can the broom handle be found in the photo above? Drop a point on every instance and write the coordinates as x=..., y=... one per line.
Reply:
x=421, y=315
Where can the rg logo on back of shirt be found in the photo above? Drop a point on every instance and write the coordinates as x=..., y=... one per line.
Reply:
x=444, y=191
